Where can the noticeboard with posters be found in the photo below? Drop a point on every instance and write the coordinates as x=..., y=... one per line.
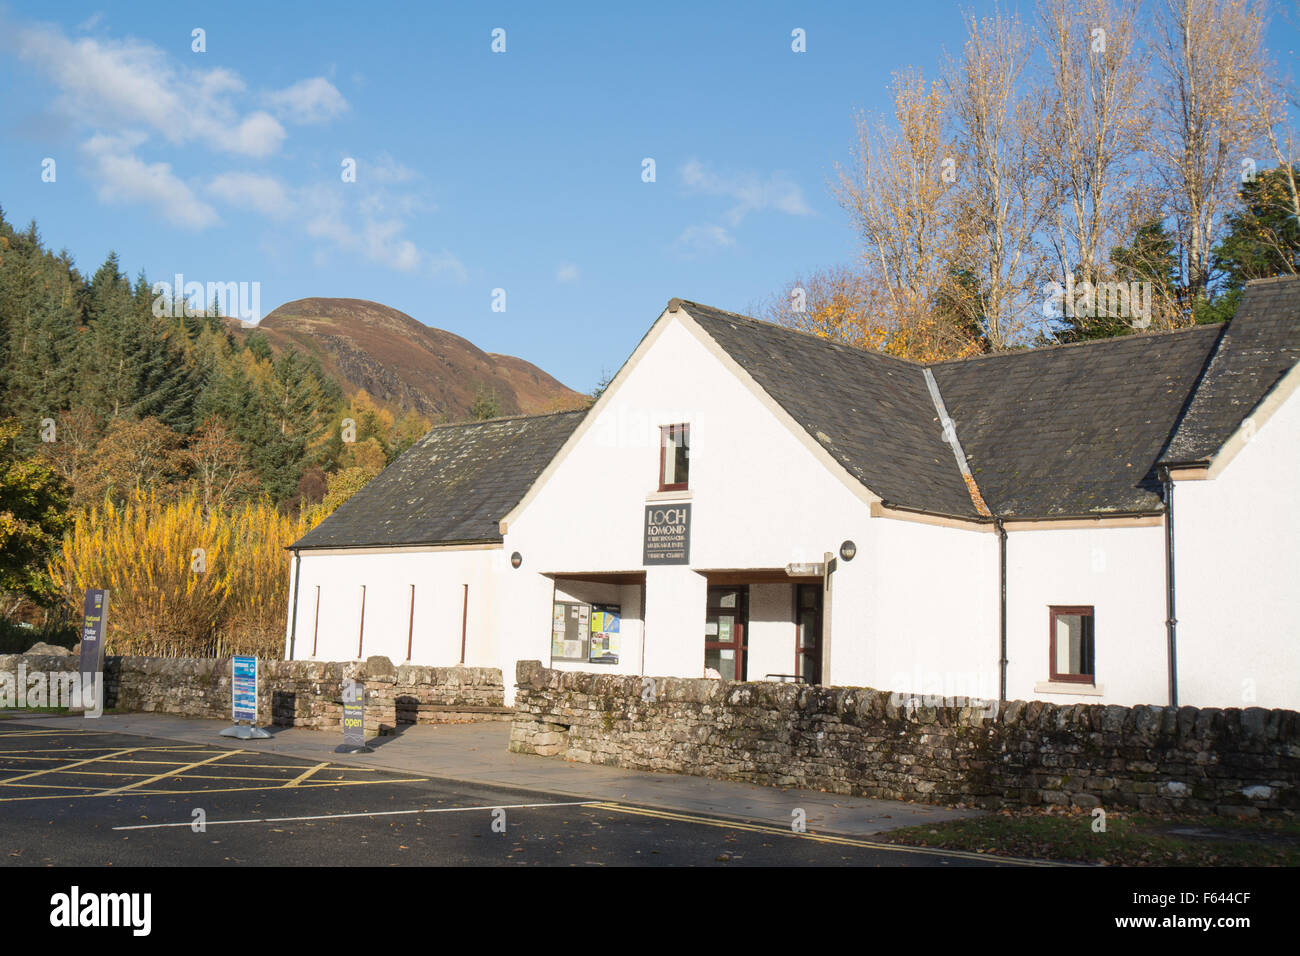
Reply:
x=570, y=631
x=606, y=621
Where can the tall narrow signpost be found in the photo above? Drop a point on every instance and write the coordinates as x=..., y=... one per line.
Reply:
x=354, y=719
x=93, y=628
x=243, y=700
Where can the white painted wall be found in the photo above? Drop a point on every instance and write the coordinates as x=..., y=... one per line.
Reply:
x=1120, y=571
x=439, y=578
x=759, y=499
x=932, y=615
x=1237, y=550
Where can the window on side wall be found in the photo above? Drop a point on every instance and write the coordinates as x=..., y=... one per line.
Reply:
x=1072, y=645
x=674, y=457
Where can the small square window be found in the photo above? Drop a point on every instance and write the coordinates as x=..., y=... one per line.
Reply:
x=1072, y=645
x=674, y=457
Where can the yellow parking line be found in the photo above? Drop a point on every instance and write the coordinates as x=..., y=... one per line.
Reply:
x=286, y=766
x=203, y=790
x=819, y=837
x=117, y=760
x=60, y=750
x=77, y=763
x=171, y=763
x=188, y=776
x=305, y=786
x=305, y=774
x=52, y=786
x=99, y=773
x=175, y=772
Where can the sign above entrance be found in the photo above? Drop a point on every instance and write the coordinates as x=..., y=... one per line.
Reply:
x=667, y=534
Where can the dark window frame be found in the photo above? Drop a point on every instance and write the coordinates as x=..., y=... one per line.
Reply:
x=739, y=642
x=665, y=432
x=1084, y=610
x=816, y=652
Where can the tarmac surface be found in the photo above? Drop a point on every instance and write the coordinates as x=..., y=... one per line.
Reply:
x=148, y=790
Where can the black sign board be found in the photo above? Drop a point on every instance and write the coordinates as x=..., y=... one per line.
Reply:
x=354, y=717
x=93, y=625
x=667, y=534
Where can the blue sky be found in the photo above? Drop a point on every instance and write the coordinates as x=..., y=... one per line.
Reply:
x=475, y=170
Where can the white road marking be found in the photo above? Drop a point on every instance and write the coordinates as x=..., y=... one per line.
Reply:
x=378, y=813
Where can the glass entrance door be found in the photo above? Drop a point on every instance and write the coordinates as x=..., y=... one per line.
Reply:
x=725, y=622
x=808, y=632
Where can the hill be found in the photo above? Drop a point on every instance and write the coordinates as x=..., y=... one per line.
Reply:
x=405, y=364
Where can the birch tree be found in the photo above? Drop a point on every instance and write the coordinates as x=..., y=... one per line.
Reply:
x=1001, y=198
x=898, y=193
x=1093, y=135
x=1273, y=98
x=1209, y=54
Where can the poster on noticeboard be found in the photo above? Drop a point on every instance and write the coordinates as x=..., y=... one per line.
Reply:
x=606, y=620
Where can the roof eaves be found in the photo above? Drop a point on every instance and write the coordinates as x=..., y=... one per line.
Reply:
x=391, y=544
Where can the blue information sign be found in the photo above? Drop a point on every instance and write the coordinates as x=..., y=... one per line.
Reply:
x=243, y=688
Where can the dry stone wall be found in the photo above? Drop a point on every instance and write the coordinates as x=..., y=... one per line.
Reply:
x=290, y=693
x=872, y=743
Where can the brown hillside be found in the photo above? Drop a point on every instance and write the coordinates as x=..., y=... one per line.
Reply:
x=405, y=364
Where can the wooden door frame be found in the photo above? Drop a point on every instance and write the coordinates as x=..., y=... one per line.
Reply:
x=740, y=643
x=821, y=627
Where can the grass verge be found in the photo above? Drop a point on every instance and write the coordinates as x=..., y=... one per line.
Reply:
x=1130, y=838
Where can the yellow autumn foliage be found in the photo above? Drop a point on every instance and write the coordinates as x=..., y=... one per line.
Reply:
x=182, y=584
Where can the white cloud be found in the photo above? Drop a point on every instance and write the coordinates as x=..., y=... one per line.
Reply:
x=382, y=242
x=313, y=100
x=567, y=273
x=258, y=135
x=124, y=177
x=255, y=191
x=351, y=228
x=129, y=83
x=704, y=238
x=445, y=264
x=385, y=170
x=750, y=191
x=127, y=95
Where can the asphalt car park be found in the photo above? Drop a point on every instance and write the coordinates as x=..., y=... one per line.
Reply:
x=95, y=798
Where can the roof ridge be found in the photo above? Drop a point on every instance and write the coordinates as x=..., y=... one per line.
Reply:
x=1108, y=340
x=1268, y=279
x=833, y=343
x=507, y=418
x=1027, y=350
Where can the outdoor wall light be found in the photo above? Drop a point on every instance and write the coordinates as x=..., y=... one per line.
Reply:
x=847, y=550
x=516, y=559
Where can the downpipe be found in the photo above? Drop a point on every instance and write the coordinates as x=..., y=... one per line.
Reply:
x=1171, y=617
x=1002, y=609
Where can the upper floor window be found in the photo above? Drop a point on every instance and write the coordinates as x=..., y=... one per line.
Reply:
x=674, y=457
x=1072, y=644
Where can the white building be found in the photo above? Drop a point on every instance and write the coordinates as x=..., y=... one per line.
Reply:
x=1109, y=522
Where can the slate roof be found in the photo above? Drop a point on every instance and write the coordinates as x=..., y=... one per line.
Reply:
x=1260, y=345
x=1065, y=431
x=1074, y=430
x=453, y=486
x=871, y=411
